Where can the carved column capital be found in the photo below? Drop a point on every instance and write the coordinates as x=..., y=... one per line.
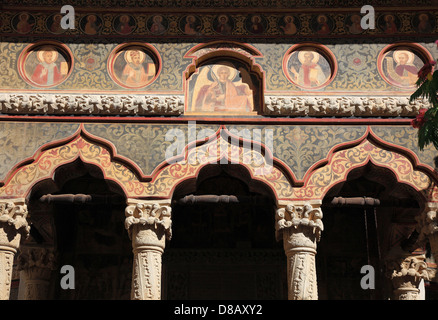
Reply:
x=13, y=223
x=406, y=270
x=36, y=265
x=149, y=225
x=36, y=257
x=152, y=215
x=299, y=224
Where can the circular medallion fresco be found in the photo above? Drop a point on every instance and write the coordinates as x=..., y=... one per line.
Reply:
x=399, y=64
x=309, y=67
x=45, y=64
x=133, y=66
x=23, y=22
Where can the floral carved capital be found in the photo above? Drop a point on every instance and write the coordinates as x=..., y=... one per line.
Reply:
x=148, y=213
x=14, y=213
x=299, y=215
x=406, y=272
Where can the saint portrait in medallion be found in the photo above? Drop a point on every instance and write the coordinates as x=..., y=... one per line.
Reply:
x=308, y=69
x=400, y=67
x=133, y=67
x=45, y=66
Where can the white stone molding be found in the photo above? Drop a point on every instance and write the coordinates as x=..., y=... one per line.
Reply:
x=13, y=226
x=407, y=270
x=83, y=104
x=148, y=223
x=36, y=265
x=299, y=224
x=343, y=106
x=135, y=104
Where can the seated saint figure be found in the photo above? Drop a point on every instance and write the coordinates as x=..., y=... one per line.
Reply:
x=223, y=94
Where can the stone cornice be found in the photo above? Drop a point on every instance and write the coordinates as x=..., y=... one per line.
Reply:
x=343, y=106
x=90, y=104
x=173, y=105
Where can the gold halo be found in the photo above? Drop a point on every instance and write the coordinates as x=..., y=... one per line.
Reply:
x=128, y=56
x=44, y=49
x=410, y=55
x=302, y=52
x=233, y=71
x=222, y=16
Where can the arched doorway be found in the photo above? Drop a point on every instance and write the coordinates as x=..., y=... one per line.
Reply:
x=365, y=216
x=223, y=244
x=80, y=215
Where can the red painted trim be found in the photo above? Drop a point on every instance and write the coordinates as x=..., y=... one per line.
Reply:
x=212, y=120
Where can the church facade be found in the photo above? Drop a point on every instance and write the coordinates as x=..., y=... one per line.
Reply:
x=208, y=149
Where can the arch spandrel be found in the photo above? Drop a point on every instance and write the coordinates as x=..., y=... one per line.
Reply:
x=216, y=150
x=46, y=160
x=99, y=152
x=370, y=149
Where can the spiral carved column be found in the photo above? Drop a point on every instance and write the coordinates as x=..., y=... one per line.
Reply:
x=299, y=225
x=149, y=226
x=13, y=226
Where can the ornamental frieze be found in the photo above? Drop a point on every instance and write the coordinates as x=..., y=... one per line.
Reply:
x=90, y=104
x=219, y=23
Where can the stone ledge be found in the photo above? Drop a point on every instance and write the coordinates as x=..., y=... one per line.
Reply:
x=338, y=106
x=173, y=105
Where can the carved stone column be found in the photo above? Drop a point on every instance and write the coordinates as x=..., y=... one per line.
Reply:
x=149, y=225
x=36, y=265
x=13, y=226
x=406, y=271
x=299, y=225
x=427, y=227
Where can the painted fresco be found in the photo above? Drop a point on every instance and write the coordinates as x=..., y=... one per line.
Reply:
x=191, y=25
x=308, y=69
x=133, y=67
x=289, y=24
x=124, y=24
x=315, y=25
x=400, y=67
x=158, y=24
x=222, y=87
x=357, y=67
x=23, y=23
x=46, y=66
x=91, y=24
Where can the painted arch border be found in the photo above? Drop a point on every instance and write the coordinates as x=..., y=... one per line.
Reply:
x=125, y=173
x=365, y=145
x=166, y=176
x=51, y=156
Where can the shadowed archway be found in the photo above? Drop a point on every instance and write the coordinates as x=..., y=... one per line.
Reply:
x=223, y=244
x=365, y=216
x=80, y=216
